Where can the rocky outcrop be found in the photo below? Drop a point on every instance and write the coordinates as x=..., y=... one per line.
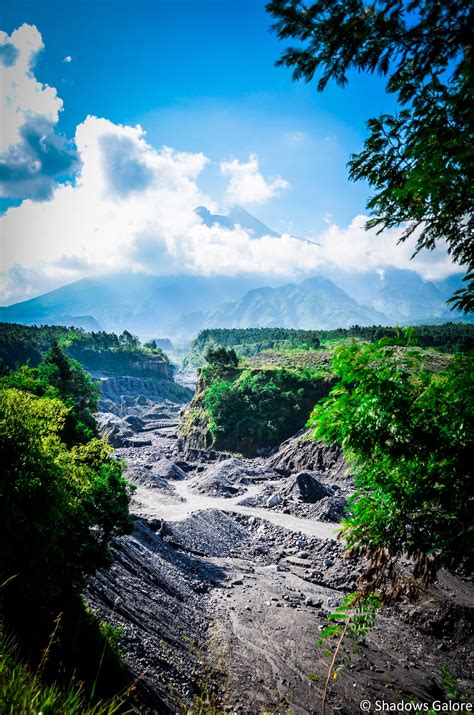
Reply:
x=119, y=393
x=118, y=431
x=300, y=453
x=151, y=593
x=307, y=487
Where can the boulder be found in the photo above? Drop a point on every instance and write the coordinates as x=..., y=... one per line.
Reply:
x=115, y=429
x=308, y=488
x=272, y=501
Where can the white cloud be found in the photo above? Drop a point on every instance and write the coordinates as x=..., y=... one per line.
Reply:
x=132, y=206
x=67, y=59
x=354, y=249
x=22, y=96
x=247, y=185
x=126, y=190
x=32, y=156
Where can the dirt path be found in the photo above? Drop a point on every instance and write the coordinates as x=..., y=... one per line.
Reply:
x=151, y=505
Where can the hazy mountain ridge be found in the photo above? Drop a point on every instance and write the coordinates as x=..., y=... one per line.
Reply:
x=179, y=306
x=315, y=303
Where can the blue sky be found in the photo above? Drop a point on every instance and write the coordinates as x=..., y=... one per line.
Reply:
x=199, y=75
x=120, y=117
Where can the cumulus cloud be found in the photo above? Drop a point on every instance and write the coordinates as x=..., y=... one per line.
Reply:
x=32, y=156
x=125, y=192
x=67, y=59
x=132, y=206
x=246, y=183
x=33, y=165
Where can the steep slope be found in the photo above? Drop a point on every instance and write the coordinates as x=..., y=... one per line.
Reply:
x=315, y=303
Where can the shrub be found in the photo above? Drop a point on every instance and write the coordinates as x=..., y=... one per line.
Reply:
x=260, y=408
x=410, y=433
x=59, y=505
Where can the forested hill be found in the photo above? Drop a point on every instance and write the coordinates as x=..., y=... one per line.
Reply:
x=453, y=337
x=97, y=351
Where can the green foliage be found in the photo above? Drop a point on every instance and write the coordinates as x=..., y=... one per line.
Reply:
x=23, y=692
x=258, y=409
x=59, y=377
x=248, y=341
x=419, y=160
x=113, y=635
x=252, y=341
x=59, y=505
x=351, y=621
x=101, y=351
x=410, y=434
x=221, y=357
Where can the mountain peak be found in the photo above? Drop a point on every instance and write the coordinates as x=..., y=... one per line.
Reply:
x=236, y=216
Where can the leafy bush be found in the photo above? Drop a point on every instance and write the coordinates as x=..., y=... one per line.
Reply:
x=60, y=377
x=59, y=505
x=260, y=408
x=410, y=433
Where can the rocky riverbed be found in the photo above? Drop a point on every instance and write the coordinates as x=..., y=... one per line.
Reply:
x=232, y=571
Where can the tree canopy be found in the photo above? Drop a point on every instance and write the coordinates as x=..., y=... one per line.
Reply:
x=62, y=494
x=419, y=160
x=410, y=434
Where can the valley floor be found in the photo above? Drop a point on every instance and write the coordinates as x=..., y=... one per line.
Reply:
x=226, y=583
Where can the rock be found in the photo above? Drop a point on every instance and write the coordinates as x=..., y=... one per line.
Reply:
x=328, y=563
x=272, y=501
x=115, y=429
x=135, y=422
x=307, y=487
x=299, y=453
x=155, y=524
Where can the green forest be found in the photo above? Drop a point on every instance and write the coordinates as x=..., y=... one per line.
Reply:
x=451, y=337
x=21, y=344
x=63, y=500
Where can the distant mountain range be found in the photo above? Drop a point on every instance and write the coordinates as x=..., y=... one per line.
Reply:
x=179, y=306
x=315, y=303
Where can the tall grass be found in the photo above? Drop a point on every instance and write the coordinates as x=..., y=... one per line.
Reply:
x=22, y=692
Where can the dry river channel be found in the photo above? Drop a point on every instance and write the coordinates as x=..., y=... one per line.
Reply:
x=230, y=576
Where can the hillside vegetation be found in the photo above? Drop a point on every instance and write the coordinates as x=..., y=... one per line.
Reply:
x=243, y=407
x=63, y=499
x=251, y=396
x=99, y=351
x=449, y=337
